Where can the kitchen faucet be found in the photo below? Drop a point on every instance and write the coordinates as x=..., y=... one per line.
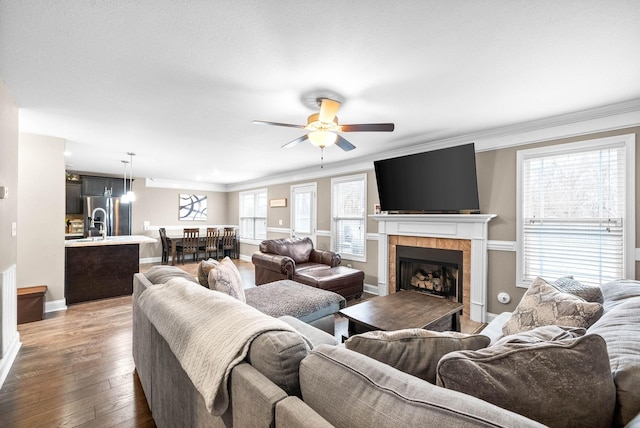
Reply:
x=103, y=229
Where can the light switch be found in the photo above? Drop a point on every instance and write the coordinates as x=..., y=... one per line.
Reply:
x=14, y=230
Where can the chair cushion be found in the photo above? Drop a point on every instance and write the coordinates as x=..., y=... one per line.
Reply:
x=590, y=293
x=225, y=277
x=558, y=383
x=162, y=274
x=204, y=267
x=414, y=351
x=544, y=304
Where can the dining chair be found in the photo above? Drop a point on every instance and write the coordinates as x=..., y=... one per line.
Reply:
x=190, y=244
x=229, y=242
x=166, y=245
x=212, y=242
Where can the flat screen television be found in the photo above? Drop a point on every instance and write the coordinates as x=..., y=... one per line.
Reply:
x=439, y=181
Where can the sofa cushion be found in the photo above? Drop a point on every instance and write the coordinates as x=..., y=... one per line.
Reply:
x=558, y=383
x=298, y=249
x=617, y=292
x=543, y=304
x=204, y=267
x=620, y=328
x=590, y=293
x=225, y=277
x=162, y=274
x=277, y=355
x=349, y=389
x=414, y=351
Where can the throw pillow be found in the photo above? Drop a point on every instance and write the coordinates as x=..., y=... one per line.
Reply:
x=414, y=351
x=225, y=277
x=558, y=383
x=543, y=304
x=204, y=267
x=589, y=293
x=162, y=274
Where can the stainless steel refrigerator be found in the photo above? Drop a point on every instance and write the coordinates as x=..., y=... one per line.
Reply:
x=108, y=212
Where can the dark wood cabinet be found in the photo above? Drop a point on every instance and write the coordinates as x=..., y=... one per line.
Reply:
x=95, y=186
x=74, y=197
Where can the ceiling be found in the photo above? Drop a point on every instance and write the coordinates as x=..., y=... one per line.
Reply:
x=179, y=82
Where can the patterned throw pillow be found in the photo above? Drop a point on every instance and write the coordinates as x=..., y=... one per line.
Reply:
x=204, y=267
x=226, y=278
x=414, y=351
x=589, y=293
x=543, y=304
x=560, y=383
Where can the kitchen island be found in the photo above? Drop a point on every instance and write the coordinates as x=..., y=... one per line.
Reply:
x=97, y=268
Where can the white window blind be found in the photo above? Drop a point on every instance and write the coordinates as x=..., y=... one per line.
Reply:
x=253, y=214
x=348, y=199
x=573, y=213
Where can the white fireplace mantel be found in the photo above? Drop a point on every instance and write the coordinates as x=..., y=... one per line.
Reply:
x=472, y=227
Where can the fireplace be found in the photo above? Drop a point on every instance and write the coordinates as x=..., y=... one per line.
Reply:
x=433, y=271
x=465, y=234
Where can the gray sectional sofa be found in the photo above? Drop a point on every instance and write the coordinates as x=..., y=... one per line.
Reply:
x=286, y=380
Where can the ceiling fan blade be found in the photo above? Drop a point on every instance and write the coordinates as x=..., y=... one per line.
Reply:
x=290, y=125
x=296, y=141
x=368, y=127
x=328, y=110
x=344, y=144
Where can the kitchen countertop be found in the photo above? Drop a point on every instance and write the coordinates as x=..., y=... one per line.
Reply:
x=110, y=240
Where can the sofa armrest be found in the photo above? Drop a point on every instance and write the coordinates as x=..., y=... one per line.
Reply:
x=292, y=412
x=253, y=397
x=275, y=262
x=325, y=257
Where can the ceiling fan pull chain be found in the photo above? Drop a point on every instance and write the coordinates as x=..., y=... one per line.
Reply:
x=321, y=157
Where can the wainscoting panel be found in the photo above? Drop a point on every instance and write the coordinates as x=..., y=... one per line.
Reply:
x=10, y=339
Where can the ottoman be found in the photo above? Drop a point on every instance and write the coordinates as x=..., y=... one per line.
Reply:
x=308, y=304
x=340, y=279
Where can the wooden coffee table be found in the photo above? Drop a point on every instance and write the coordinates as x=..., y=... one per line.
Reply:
x=403, y=309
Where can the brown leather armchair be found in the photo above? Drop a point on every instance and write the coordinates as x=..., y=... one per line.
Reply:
x=283, y=258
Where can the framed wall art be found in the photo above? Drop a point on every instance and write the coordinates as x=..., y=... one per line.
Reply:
x=192, y=207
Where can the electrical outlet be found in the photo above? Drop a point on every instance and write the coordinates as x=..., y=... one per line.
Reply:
x=4, y=192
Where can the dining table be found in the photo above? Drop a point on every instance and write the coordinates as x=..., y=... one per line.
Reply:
x=176, y=240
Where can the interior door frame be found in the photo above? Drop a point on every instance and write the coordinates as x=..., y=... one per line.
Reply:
x=313, y=187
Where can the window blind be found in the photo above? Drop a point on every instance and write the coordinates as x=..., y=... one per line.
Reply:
x=348, y=196
x=573, y=208
x=253, y=215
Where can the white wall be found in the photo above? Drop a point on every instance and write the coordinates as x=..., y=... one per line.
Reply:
x=9, y=336
x=41, y=214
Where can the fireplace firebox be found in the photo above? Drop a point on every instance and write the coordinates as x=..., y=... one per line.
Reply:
x=434, y=271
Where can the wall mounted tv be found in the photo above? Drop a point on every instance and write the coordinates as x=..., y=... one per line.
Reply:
x=439, y=181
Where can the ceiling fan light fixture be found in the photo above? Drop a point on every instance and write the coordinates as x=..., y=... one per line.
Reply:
x=322, y=138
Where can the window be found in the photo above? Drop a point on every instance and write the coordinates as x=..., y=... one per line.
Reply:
x=253, y=214
x=348, y=214
x=576, y=211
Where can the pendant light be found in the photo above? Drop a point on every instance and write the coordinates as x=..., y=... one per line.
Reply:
x=125, y=197
x=130, y=194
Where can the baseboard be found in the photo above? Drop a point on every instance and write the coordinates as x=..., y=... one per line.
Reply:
x=55, y=305
x=245, y=258
x=150, y=260
x=371, y=289
x=491, y=316
x=7, y=361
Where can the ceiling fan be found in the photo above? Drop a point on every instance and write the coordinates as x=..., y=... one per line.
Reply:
x=323, y=127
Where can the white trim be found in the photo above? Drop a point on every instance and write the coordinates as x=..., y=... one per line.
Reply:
x=245, y=258
x=372, y=237
x=324, y=233
x=56, y=305
x=371, y=289
x=637, y=253
x=7, y=361
x=629, y=143
x=161, y=183
x=283, y=230
x=493, y=245
x=147, y=227
x=150, y=260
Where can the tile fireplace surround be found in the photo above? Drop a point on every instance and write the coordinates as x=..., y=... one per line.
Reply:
x=463, y=232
